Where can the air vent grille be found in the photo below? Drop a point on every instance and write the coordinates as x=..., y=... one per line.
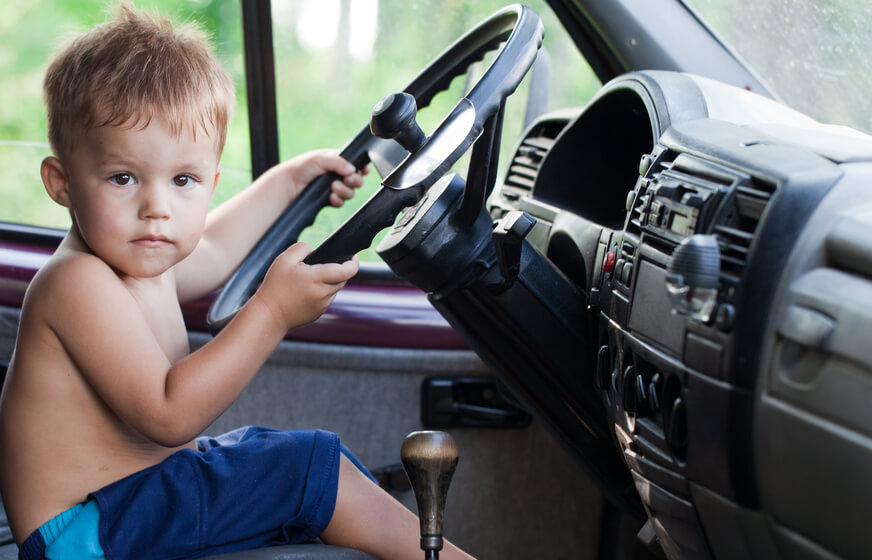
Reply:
x=525, y=166
x=736, y=231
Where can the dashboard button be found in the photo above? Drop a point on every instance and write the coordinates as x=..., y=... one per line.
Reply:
x=627, y=273
x=619, y=270
x=609, y=262
x=644, y=164
x=631, y=198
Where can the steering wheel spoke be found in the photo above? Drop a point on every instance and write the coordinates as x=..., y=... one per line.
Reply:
x=361, y=228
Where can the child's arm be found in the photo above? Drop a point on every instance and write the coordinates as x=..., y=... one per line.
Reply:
x=138, y=373
x=233, y=228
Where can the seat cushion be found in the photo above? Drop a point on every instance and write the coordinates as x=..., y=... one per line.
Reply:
x=8, y=552
x=297, y=552
x=291, y=552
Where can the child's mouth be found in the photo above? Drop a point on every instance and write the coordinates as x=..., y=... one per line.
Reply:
x=152, y=241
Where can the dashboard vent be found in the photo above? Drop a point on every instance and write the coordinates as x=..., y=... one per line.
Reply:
x=527, y=159
x=736, y=230
x=525, y=164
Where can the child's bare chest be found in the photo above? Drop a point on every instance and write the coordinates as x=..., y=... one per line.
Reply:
x=163, y=314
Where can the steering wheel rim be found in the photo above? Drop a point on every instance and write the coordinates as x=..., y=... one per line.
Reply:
x=522, y=31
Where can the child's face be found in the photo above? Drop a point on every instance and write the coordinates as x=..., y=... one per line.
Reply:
x=139, y=196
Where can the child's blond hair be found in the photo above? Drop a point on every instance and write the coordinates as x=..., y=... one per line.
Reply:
x=134, y=68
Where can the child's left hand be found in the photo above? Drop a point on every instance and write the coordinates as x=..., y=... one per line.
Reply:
x=306, y=167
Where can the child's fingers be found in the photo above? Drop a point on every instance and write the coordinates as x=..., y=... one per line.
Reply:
x=298, y=251
x=310, y=165
x=340, y=192
x=354, y=180
x=338, y=273
x=329, y=160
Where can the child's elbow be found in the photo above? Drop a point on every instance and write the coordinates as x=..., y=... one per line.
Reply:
x=170, y=432
x=173, y=440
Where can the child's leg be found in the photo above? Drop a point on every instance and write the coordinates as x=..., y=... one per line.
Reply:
x=368, y=518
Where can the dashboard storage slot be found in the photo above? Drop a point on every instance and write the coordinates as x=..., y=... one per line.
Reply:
x=849, y=245
x=821, y=357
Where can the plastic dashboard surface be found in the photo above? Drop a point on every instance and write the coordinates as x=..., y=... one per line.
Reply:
x=745, y=429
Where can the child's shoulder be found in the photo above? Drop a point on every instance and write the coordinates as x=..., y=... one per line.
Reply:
x=72, y=270
x=71, y=279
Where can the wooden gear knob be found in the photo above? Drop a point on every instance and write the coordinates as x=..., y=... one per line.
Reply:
x=430, y=458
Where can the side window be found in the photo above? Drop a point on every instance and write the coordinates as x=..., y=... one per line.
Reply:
x=25, y=52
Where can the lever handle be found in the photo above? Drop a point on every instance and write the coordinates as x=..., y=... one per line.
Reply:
x=394, y=117
x=430, y=458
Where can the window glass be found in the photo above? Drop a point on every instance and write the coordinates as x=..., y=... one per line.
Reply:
x=815, y=56
x=32, y=31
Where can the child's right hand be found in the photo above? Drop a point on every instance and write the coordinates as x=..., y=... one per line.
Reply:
x=298, y=293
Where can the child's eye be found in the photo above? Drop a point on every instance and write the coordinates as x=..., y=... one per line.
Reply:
x=183, y=180
x=122, y=179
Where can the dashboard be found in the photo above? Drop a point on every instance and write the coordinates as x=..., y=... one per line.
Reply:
x=697, y=308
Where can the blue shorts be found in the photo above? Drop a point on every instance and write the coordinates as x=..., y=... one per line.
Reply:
x=250, y=488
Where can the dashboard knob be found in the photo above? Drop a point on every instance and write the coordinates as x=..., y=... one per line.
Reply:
x=676, y=428
x=693, y=275
x=641, y=395
x=654, y=392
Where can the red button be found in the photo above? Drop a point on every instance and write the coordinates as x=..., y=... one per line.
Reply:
x=609, y=263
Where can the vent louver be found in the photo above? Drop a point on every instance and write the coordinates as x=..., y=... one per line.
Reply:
x=736, y=231
x=525, y=166
x=528, y=158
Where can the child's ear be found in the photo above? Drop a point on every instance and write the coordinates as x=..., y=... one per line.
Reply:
x=55, y=180
x=217, y=176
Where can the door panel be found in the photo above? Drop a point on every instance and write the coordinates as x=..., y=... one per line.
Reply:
x=515, y=493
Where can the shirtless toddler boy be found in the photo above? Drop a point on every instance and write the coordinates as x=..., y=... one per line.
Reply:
x=103, y=401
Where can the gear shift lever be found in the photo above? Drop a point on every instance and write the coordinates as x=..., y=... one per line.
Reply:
x=430, y=458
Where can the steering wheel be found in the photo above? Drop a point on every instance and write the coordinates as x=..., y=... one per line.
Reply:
x=405, y=182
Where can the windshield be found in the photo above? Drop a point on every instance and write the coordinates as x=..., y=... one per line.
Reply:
x=815, y=56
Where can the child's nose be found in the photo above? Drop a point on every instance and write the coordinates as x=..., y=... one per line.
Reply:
x=155, y=203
